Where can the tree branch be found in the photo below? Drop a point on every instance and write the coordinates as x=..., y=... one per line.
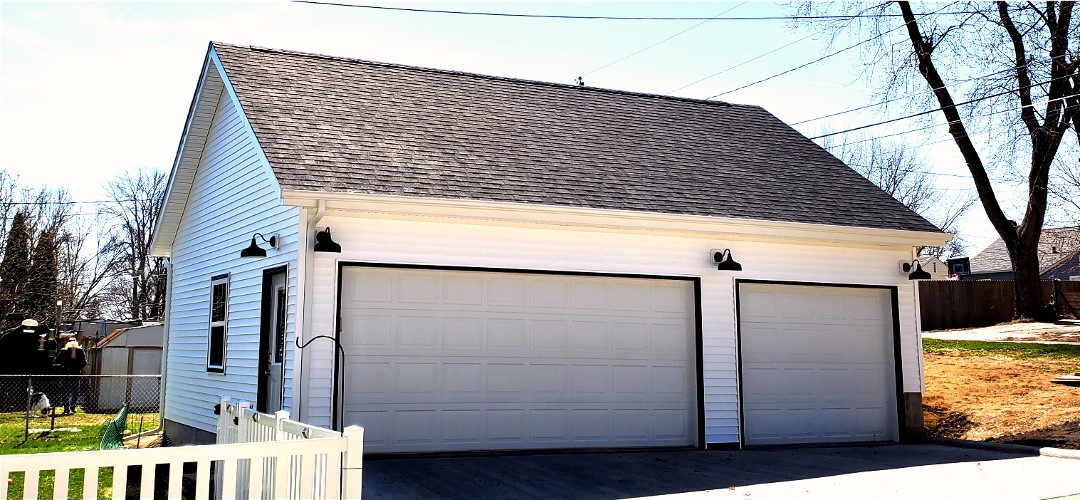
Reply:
x=923, y=52
x=1023, y=77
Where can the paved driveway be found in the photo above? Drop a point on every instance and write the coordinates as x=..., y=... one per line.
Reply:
x=887, y=471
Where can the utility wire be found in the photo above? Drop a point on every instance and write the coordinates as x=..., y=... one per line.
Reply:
x=608, y=18
x=752, y=59
x=935, y=110
x=587, y=73
x=801, y=66
x=887, y=101
x=822, y=58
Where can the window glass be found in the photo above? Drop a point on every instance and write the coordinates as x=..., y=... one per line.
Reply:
x=219, y=316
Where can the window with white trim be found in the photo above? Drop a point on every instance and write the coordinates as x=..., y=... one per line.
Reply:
x=219, y=318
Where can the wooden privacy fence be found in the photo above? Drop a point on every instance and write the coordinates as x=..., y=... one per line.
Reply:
x=250, y=462
x=970, y=304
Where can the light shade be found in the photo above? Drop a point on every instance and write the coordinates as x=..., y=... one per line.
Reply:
x=918, y=273
x=254, y=250
x=724, y=262
x=324, y=243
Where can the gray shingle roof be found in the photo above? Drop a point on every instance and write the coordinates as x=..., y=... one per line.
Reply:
x=1055, y=245
x=352, y=126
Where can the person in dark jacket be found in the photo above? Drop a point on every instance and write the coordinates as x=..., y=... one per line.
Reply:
x=71, y=361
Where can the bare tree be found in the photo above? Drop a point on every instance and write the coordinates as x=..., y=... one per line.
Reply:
x=1006, y=67
x=83, y=270
x=903, y=173
x=137, y=288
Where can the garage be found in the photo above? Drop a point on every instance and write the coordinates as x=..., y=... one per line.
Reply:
x=817, y=364
x=461, y=360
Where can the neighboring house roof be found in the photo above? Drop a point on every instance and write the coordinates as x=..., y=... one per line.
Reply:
x=330, y=124
x=934, y=266
x=1056, y=245
x=109, y=338
x=106, y=340
x=1068, y=268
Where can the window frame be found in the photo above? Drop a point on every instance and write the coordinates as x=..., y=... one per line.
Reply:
x=223, y=324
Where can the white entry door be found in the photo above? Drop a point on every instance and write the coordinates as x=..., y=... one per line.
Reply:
x=441, y=360
x=817, y=364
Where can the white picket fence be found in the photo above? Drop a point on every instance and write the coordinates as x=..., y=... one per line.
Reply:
x=330, y=475
x=249, y=462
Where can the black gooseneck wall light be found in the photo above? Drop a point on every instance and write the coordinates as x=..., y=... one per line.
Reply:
x=254, y=250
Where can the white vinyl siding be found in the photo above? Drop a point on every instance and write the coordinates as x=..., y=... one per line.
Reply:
x=233, y=195
x=443, y=242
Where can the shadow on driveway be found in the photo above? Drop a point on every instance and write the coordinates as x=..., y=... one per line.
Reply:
x=649, y=473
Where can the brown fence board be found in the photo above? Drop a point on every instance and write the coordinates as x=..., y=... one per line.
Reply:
x=971, y=304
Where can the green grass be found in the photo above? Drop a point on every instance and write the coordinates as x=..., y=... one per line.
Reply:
x=1014, y=350
x=90, y=425
x=75, y=484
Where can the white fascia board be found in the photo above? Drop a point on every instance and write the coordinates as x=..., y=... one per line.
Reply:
x=163, y=248
x=503, y=213
x=162, y=238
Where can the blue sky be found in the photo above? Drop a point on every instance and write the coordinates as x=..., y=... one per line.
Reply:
x=91, y=89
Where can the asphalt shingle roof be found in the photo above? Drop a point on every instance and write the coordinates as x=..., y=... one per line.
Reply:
x=352, y=126
x=1055, y=245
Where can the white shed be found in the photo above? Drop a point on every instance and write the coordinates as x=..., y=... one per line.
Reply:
x=124, y=352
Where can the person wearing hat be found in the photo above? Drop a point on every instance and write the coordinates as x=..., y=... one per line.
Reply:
x=71, y=360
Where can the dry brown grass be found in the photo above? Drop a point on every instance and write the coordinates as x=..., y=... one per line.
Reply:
x=1001, y=399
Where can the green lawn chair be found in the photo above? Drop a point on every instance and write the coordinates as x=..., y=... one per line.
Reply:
x=113, y=437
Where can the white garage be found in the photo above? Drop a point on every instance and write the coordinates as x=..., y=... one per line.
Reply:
x=454, y=360
x=817, y=364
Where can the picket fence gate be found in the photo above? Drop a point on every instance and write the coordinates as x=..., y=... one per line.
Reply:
x=249, y=462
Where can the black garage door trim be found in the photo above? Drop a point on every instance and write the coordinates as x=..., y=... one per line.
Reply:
x=897, y=361
x=695, y=280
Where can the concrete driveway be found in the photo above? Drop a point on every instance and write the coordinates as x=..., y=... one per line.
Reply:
x=886, y=471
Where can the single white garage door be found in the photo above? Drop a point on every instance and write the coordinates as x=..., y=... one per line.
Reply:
x=447, y=360
x=816, y=364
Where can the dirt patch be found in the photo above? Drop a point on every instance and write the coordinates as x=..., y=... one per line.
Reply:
x=1071, y=337
x=1001, y=399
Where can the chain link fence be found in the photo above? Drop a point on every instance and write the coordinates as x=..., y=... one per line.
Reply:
x=72, y=412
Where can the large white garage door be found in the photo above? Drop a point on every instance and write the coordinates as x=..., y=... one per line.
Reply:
x=816, y=364
x=440, y=360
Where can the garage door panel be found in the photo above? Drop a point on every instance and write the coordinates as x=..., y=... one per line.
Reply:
x=816, y=364
x=546, y=360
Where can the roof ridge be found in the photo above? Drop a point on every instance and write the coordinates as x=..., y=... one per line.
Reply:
x=287, y=52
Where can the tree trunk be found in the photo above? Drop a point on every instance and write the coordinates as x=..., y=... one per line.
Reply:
x=1028, y=286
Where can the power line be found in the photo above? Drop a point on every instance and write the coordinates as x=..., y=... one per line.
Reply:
x=845, y=49
x=611, y=18
x=887, y=101
x=660, y=42
x=921, y=113
x=801, y=66
x=752, y=59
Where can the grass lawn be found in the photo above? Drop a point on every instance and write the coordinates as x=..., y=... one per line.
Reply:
x=1001, y=391
x=78, y=432
x=1012, y=350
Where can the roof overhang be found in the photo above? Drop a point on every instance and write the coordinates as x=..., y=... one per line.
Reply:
x=520, y=214
x=188, y=154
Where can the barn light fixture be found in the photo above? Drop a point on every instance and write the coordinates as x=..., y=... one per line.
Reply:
x=324, y=243
x=915, y=269
x=724, y=262
x=254, y=250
